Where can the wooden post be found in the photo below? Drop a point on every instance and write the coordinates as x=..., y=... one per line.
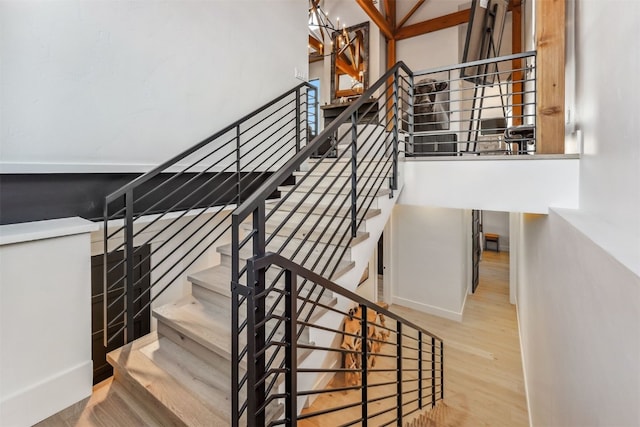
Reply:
x=516, y=47
x=391, y=60
x=550, y=45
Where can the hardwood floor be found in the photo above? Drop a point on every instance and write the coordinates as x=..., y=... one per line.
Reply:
x=484, y=383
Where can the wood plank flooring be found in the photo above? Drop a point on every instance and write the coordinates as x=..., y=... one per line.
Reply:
x=484, y=383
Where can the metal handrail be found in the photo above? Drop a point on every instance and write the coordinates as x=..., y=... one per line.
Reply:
x=294, y=163
x=411, y=394
x=271, y=258
x=158, y=169
x=327, y=249
x=214, y=173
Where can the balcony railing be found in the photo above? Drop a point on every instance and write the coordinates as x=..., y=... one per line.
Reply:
x=478, y=108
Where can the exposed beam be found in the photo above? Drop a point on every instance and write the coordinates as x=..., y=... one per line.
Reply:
x=435, y=24
x=550, y=45
x=411, y=12
x=390, y=12
x=316, y=44
x=518, y=74
x=376, y=17
x=391, y=60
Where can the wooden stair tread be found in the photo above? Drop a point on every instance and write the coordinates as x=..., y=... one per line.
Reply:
x=305, y=207
x=363, y=190
x=208, y=279
x=216, y=279
x=141, y=375
x=318, y=234
x=342, y=266
x=201, y=323
x=318, y=216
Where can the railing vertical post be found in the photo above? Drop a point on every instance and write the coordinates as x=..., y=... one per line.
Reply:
x=395, y=130
x=298, y=116
x=105, y=286
x=420, y=376
x=399, y=372
x=291, y=356
x=364, y=363
x=256, y=316
x=410, y=114
x=354, y=174
x=316, y=110
x=441, y=370
x=254, y=400
x=235, y=321
x=433, y=371
x=238, y=166
x=128, y=253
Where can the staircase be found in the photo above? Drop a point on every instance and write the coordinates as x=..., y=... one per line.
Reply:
x=302, y=230
x=182, y=372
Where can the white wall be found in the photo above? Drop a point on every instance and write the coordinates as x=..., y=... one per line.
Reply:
x=579, y=311
x=98, y=85
x=501, y=183
x=607, y=113
x=429, y=259
x=579, y=271
x=45, y=318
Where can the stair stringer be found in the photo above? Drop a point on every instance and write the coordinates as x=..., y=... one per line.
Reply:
x=361, y=255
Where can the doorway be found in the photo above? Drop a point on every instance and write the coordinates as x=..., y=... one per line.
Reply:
x=476, y=248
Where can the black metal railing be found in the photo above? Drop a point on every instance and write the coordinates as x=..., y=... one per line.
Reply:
x=314, y=222
x=383, y=367
x=491, y=110
x=183, y=207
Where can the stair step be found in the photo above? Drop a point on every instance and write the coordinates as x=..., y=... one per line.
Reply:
x=199, y=327
x=162, y=393
x=342, y=266
x=343, y=169
x=323, y=209
x=362, y=190
x=319, y=234
x=205, y=329
x=206, y=287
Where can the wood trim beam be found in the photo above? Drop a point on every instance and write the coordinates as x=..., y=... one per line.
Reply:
x=435, y=24
x=376, y=17
x=391, y=60
x=518, y=74
x=316, y=44
x=550, y=46
x=390, y=12
x=411, y=12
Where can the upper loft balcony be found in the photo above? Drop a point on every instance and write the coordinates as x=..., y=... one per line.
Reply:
x=475, y=128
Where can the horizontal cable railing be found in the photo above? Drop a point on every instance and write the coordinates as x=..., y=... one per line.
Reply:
x=183, y=207
x=315, y=220
x=478, y=108
x=384, y=368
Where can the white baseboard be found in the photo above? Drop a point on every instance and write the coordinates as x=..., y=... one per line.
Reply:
x=39, y=401
x=430, y=309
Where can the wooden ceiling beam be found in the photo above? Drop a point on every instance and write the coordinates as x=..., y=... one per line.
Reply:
x=390, y=12
x=440, y=23
x=411, y=12
x=376, y=17
x=435, y=24
x=316, y=44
